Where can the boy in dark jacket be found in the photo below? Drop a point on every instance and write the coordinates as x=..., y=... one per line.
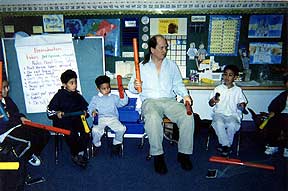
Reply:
x=65, y=101
x=278, y=111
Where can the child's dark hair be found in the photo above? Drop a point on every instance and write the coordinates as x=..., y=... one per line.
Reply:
x=101, y=80
x=68, y=75
x=233, y=68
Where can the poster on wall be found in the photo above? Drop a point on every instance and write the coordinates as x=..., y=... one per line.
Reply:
x=265, y=26
x=53, y=23
x=265, y=52
x=223, y=36
x=41, y=60
x=108, y=28
x=175, y=31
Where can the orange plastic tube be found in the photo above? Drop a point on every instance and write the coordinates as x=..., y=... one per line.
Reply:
x=47, y=127
x=188, y=108
x=136, y=62
x=239, y=162
x=120, y=86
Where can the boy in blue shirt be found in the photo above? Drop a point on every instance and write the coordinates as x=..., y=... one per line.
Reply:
x=105, y=105
x=68, y=100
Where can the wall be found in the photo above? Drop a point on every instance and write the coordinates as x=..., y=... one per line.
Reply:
x=199, y=35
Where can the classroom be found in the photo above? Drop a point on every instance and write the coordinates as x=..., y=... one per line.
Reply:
x=40, y=39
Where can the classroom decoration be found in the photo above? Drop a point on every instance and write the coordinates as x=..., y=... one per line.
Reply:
x=90, y=62
x=136, y=6
x=223, y=35
x=107, y=28
x=130, y=29
x=175, y=32
x=42, y=59
x=265, y=26
x=53, y=23
x=265, y=52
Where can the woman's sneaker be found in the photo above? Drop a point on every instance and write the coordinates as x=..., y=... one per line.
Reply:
x=271, y=150
x=285, y=153
x=34, y=160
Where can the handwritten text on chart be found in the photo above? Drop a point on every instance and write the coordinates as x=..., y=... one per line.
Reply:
x=41, y=68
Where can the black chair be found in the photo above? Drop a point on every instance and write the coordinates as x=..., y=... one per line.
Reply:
x=237, y=135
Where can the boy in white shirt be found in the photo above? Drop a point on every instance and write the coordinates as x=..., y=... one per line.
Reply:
x=228, y=102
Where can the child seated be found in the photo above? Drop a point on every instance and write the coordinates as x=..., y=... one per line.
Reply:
x=228, y=102
x=65, y=101
x=278, y=111
x=105, y=105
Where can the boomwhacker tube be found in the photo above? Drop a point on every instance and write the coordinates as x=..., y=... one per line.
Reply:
x=136, y=62
x=239, y=162
x=85, y=124
x=120, y=86
x=47, y=127
x=188, y=108
x=9, y=165
x=264, y=123
x=71, y=114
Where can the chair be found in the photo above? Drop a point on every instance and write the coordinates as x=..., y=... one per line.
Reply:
x=258, y=119
x=171, y=133
x=107, y=134
x=58, y=146
x=57, y=141
x=211, y=132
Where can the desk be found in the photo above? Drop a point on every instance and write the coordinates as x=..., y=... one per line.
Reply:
x=259, y=97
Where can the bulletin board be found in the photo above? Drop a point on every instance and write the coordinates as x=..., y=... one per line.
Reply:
x=90, y=59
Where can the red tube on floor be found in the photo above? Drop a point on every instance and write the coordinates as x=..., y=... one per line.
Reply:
x=239, y=162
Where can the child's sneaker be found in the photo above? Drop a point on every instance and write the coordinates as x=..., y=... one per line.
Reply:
x=117, y=150
x=285, y=153
x=95, y=150
x=34, y=160
x=271, y=150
